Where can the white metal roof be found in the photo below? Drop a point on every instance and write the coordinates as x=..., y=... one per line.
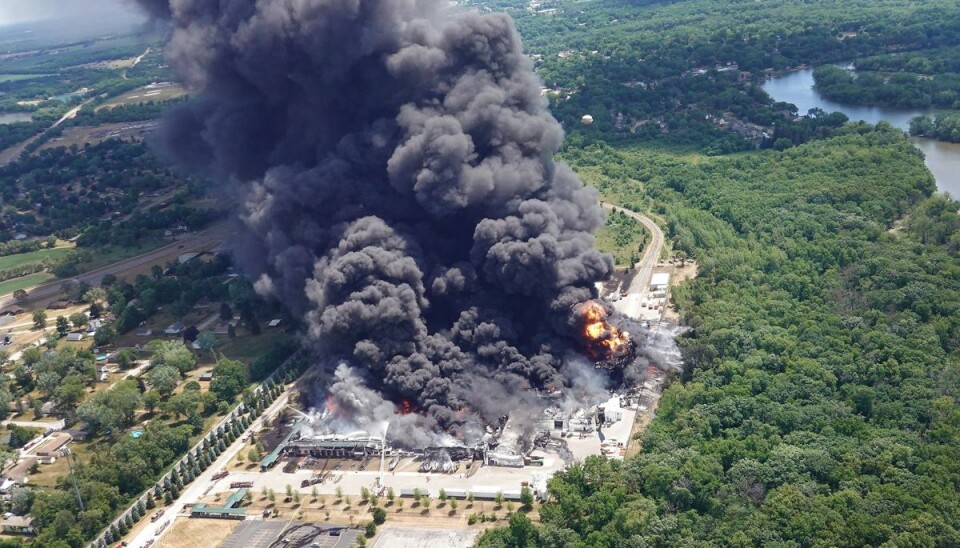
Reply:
x=660, y=278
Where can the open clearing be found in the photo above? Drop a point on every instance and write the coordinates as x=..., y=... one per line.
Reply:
x=22, y=259
x=82, y=135
x=198, y=532
x=154, y=92
x=25, y=282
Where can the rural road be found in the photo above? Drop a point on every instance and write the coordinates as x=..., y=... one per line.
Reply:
x=633, y=302
x=202, y=483
x=200, y=241
x=13, y=153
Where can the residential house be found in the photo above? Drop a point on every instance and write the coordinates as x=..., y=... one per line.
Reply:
x=20, y=471
x=49, y=450
x=18, y=525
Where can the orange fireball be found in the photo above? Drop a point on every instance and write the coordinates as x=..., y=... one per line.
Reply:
x=603, y=341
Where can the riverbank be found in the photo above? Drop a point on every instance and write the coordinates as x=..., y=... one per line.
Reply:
x=942, y=159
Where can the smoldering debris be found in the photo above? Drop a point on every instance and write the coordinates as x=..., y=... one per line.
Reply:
x=396, y=166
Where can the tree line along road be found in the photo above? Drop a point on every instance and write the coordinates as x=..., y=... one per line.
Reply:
x=201, y=241
x=631, y=304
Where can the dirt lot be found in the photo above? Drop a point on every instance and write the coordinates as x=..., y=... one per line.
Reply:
x=198, y=532
x=678, y=275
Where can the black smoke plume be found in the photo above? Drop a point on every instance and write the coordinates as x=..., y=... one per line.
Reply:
x=396, y=161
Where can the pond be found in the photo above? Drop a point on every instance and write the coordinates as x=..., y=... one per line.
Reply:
x=943, y=159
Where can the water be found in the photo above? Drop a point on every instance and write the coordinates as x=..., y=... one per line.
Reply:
x=943, y=159
x=13, y=117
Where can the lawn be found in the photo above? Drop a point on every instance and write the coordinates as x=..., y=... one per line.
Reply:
x=247, y=348
x=21, y=259
x=104, y=256
x=25, y=282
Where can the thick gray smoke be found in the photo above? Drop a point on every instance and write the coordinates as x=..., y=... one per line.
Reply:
x=397, y=165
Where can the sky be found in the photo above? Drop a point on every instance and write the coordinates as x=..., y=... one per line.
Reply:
x=24, y=11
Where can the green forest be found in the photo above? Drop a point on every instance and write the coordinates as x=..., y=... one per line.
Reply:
x=897, y=89
x=943, y=127
x=818, y=405
x=651, y=72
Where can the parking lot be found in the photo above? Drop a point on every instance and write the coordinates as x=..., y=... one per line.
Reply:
x=267, y=534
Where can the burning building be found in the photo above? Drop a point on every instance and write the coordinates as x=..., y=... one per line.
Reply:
x=395, y=162
x=611, y=347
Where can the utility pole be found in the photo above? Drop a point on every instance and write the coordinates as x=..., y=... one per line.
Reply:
x=73, y=475
x=383, y=454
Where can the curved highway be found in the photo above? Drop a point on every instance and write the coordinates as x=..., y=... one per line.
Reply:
x=633, y=302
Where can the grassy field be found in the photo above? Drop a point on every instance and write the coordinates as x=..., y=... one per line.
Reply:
x=622, y=237
x=83, y=135
x=156, y=94
x=25, y=282
x=21, y=259
x=18, y=77
x=247, y=348
x=101, y=257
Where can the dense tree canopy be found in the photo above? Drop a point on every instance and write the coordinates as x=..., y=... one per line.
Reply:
x=818, y=406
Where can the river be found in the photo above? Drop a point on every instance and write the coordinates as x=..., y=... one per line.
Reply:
x=13, y=117
x=943, y=159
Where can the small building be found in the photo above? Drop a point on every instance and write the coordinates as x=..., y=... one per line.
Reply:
x=58, y=305
x=660, y=281
x=274, y=322
x=229, y=510
x=187, y=257
x=206, y=376
x=19, y=472
x=610, y=412
x=174, y=328
x=13, y=311
x=411, y=492
x=75, y=337
x=49, y=450
x=18, y=525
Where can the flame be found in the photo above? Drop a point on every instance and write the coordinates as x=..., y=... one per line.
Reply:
x=604, y=341
x=406, y=408
x=331, y=406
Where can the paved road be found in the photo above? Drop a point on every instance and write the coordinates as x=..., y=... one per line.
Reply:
x=43, y=425
x=633, y=302
x=202, y=484
x=196, y=242
x=13, y=153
